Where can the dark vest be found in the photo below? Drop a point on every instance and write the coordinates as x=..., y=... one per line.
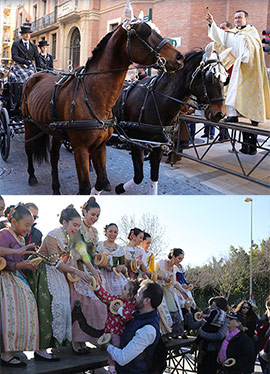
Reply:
x=139, y=364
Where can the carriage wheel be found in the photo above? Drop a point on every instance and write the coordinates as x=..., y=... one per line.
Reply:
x=4, y=134
x=68, y=146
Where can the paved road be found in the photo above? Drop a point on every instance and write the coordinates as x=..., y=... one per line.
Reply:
x=13, y=175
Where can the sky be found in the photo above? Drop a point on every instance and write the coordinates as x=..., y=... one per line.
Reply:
x=203, y=226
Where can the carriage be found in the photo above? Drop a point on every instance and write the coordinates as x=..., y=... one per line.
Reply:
x=11, y=121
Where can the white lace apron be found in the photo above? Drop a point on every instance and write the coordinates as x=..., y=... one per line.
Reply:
x=61, y=311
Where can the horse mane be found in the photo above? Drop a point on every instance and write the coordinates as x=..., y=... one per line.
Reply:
x=99, y=48
x=193, y=53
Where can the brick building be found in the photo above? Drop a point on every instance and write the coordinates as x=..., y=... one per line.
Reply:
x=74, y=27
x=7, y=24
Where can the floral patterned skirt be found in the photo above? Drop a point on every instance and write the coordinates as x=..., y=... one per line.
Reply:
x=19, y=315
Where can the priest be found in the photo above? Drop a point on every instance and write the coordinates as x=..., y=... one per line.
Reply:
x=248, y=91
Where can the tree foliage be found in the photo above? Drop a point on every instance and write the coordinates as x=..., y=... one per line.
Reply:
x=148, y=223
x=230, y=276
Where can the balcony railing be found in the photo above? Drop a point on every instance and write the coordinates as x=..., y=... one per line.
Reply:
x=43, y=22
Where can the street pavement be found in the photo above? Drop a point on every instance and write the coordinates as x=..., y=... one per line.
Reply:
x=186, y=177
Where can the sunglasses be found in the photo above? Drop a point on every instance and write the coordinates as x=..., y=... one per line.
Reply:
x=245, y=307
x=35, y=217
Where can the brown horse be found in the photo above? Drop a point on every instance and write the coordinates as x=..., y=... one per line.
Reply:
x=133, y=41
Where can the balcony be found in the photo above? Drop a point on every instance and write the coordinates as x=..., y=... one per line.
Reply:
x=43, y=22
x=6, y=41
x=6, y=21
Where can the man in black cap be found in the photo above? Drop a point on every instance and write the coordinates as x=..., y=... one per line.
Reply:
x=45, y=59
x=23, y=53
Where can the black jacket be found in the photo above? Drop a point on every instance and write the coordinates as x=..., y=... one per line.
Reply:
x=46, y=62
x=241, y=348
x=22, y=56
x=34, y=236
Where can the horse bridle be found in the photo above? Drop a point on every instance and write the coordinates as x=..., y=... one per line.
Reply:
x=203, y=69
x=160, y=61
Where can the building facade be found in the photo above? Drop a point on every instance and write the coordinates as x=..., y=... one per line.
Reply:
x=7, y=25
x=74, y=27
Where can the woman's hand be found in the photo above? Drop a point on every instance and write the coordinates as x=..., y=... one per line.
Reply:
x=24, y=250
x=166, y=279
x=121, y=269
x=185, y=286
x=26, y=265
x=98, y=275
x=84, y=276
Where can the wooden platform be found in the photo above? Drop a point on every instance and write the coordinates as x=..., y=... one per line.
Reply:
x=70, y=363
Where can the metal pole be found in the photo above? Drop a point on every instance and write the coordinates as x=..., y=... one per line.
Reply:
x=251, y=246
x=249, y=200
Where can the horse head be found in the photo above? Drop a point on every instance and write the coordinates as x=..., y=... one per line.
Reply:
x=147, y=47
x=207, y=84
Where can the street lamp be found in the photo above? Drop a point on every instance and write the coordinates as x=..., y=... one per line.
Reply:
x=249, y=200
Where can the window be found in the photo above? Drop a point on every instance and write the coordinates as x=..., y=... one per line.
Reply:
x=74, y=52
x=44, y=7
x=35, y=13
x=54, y=46
x=113, y=24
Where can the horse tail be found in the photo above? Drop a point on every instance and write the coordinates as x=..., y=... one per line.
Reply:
x=41, y=147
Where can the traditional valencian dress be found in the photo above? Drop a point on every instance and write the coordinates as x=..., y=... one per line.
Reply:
x=134, y=253
x=150, y=261
x=19, y=316
x=115, y=256
x=89, y=313
x=171, y=298
x=51, y=291
x=184, y=293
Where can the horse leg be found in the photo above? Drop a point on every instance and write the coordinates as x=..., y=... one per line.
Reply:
x=32, y=180
x=137, y=158
x=155, y=159
x=55, y=149
x=99, y=156
x=81, y=156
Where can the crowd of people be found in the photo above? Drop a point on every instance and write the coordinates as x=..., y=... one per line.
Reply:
x=68, y=288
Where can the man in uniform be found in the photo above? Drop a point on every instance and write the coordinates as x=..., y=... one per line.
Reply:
x=23, y=53
x=45, y=59
x=248, y=91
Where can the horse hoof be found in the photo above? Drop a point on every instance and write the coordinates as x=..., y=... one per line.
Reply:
x=119, y=189
x=32, y=181
x=107, y=187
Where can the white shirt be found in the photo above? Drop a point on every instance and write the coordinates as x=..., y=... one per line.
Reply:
x=142, y=339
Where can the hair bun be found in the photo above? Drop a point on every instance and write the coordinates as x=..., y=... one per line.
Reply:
x=70, y=206
x=92, y=198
